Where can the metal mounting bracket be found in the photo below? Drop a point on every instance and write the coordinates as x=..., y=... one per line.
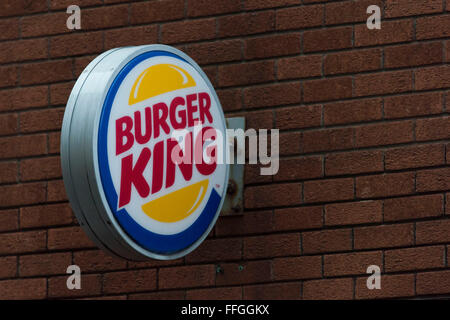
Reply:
x=234, y=200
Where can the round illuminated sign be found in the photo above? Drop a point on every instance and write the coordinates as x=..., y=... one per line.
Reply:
x=139, y=151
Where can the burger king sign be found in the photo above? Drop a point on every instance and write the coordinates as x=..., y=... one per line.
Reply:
x=139, y=150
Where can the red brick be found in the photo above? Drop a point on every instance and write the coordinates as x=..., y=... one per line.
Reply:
x=97, y=260
x=327, y=89
x=352, y=61
x=249, y=223
x=76, y=44
x=244, y=74
x=130, y=281
x=155, y=11
x=46, y=24
x=413, y=207
x=22, y=146
x=299, y=117
x=415, y=157
x=447, y=51
x=225, y=293
x=23, y=289
x=447, y=204
x=253, y=175
x=44, y=72
x=392, y=286
x=114, y=297
x=385, y=185
x=353, y=162
x=329, y=289
x=158, y=295
x=186, y=276
x=152, y=263
x=63, y=4
x=81, y=63
x=351, y=263
x=9, y=29
x=307, y=267
x=40, y=168
x=299, y=67
x=56, y=191
x=35, y=121
x=327, y=39
x=91, y=285
x=353, y=213
x=433, y=129
x=437, y=282
x=45, y=215
x=433, y=180
x=186, y=31
x=290, y=143
x=299, y=169
x=68, y=238
x=383, y=83
x=244, y=273
x=22, y=194
x=384, y=134
x=273, y=291
x=391, y=32
x=23, y=98
x=230, y=99
x=9, y=78
x=272, y=246
x=384, y=236
x=432, y=78
x=259, y=120
x=9, y=220
x=106, y=17
x=20, y=7
x=212, y=74
x=197, y=8
x=8, y=172
x=59, y=93
x=216, y=250
x=298, y=218
x=23, y=50
x=273, y=195
x=414, y=259
x=433, y=27
x=22, y=242
x=348, y=11
x=412, y=105
x=300, y=17
x=262, y=4
x=272, y=95
x=272, y=46
x=402, y=8
x=245, y=24
x=413, y=55
x=432, y=232
x=223, y=51
x=329, y=139
x=9, y=267
x=328, y=190
x=130, y=36
x=352, y=111
x=44, y=264
x=326, y=241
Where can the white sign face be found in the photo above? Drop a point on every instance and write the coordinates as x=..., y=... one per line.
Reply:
x=154, y=152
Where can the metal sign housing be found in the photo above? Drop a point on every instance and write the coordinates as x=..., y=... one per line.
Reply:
x=127, y=196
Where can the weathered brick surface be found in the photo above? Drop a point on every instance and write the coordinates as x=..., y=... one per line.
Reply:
x=364, y=144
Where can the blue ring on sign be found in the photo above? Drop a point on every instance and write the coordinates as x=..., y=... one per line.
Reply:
x=154, y=242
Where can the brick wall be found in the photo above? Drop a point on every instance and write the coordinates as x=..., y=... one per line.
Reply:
x=365, y=133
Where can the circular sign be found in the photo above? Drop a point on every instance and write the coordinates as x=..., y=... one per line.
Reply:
x=140, y=151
